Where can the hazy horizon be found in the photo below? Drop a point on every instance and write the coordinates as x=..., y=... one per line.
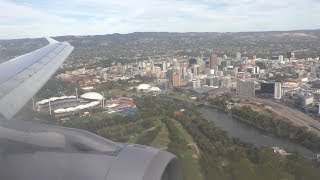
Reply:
x=79, y=35
x=30, y=18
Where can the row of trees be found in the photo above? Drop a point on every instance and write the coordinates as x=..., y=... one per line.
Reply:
x=221, y=102
x=177, y=142
x=220, y=156
x=149, y=137
x=225, y=158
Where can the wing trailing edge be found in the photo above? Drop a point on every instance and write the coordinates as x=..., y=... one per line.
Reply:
x=23, y=76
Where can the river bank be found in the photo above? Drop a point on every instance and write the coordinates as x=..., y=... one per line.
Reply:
x=247, y=133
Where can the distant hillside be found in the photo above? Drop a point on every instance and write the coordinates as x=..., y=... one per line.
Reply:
x=304, y=43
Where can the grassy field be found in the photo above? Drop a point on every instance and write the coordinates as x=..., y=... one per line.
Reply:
x=190, y=163
x=179, y=96
x=162, y=139
x=138, y=131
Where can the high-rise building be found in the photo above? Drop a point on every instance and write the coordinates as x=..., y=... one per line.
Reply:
x=216, y=69
x=183, y=72
x=169, y=76
x=192, y=61
x=277, y=90
x=281, y=58
x=103, y=74
x=245, y=88
x=173, y=77
x=212, y=81
x=256, y=70
x=199, y=61
x=196, y=69
x=214, y=61
x=194, y=84
x=164, y=66
x=176, y=80
x=198, y=83
x=225, y=63
x=267, y=88
x=253, y=70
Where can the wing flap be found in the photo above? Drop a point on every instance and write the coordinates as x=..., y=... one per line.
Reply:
x=27, y=74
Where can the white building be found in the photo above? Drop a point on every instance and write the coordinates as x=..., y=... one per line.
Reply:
x=143, y=87
x=194, y=84
x=92, y=96
x=277, y=91
x=305, y=99
x=255, y=70
x=280, y=58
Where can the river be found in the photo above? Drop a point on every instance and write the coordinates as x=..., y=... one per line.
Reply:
x=246, y=133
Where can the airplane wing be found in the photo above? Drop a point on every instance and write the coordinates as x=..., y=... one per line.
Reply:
x=33, y=151
x=23, y=76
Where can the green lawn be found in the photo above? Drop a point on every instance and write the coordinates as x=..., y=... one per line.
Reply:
x=190, y=165
x=162, y=139
x=182, y=131
x=179, y=96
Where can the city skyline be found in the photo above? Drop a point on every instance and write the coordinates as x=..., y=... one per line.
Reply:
x=30, y=19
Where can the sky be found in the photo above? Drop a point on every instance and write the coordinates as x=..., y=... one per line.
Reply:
x=39, y=18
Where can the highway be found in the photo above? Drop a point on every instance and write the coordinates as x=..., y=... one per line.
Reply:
x=297, y=117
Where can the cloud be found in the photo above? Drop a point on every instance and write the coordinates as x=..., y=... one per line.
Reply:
x=31, y=18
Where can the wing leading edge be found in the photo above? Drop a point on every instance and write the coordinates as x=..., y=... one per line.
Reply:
x=59, y=152
x=23, y=76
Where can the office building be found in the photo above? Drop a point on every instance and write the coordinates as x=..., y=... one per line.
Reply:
x=288, y=54
x=277, y=91
x=216, y=69
x=196, y=83
x=164, y=66
x=183, y=71
x=196, y=69
x=267, y=88
x=281, y=58
x=176, y=80
x=245, y=88
x=169, y=76
x=305, y=99
x=214, y=61
x=192, y=61
x=225, y=82
x=212, y=81
x=253, y=70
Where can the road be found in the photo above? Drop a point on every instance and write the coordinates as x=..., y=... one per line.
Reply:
x=295, y=116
